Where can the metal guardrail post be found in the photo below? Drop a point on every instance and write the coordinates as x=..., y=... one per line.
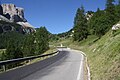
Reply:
x=4, y=68
x=28, y=59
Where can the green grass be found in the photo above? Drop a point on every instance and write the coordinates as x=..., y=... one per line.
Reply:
x=51, y=50
x=1, y=51
x=103, y=55
x=104, y=58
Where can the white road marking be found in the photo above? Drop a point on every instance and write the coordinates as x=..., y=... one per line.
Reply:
x=80, y=68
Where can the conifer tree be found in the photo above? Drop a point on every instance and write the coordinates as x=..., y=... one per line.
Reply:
x=13, y=46
x=80, y=25
x=29, y=45
x=41, y=40
x=110, y=11
x=117, y=12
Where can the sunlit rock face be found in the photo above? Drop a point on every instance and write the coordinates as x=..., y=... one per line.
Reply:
x=28, y=28
x=11, y=13
x=115, y=27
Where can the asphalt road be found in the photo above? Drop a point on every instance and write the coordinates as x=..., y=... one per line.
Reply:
x=67, y=67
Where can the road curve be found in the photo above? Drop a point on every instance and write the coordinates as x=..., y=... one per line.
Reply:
x=68, y=67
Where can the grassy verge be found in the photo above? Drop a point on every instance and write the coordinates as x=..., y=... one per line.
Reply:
x=103, y=55
x=51, y=50
x=1, y=51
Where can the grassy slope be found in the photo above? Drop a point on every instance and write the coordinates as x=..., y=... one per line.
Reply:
x=103, y=55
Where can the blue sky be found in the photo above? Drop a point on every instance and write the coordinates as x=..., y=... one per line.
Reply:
x=56, y=15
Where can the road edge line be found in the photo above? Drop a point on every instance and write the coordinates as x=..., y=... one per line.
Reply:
x=80, y=68
x=87, y=66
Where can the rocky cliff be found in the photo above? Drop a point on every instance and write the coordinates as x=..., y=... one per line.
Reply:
x=15, y=14
x=11, y=13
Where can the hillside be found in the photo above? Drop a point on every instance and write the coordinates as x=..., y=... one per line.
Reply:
x=103, y=54
x=104, y=57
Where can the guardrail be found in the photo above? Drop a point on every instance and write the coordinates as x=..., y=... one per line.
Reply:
x=61, y=47
x=4, y=63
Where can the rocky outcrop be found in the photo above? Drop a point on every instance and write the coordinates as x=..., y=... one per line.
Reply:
x=115, y=27
x=11, y=13
x=89, y=14
x=8, y=27
x=3, y=18
x=27, y=27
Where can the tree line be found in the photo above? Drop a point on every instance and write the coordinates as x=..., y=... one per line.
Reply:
x=19, y=45
x=100, y=22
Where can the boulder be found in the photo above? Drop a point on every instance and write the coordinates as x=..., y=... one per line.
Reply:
x=115, y=27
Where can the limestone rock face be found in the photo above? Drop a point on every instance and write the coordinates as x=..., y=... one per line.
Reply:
x=28, y=28
x=8, y=27
x=115, y=27
x=4, y=18
x=10, y=13
x=14, y=13
x=20, y=12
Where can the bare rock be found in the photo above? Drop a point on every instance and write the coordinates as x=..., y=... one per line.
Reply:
x=16, y=13
x=4, y=18
x=10, y=13
x=115, y=27
x=28, y=28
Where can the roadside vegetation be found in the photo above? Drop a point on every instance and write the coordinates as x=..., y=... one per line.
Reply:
x=23, y=45
x=95, y=37
x=92, y=35
x=99, y=41
x=103, y=54
x=16, y=45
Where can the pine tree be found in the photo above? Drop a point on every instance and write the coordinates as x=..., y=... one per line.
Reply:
x=99, y=24
x=110, y=6
x=29, y=45
x=110, y=11
x=13, y=46
x=13, y=51
x=80, y=25
x=41, y=40
x=117, y=11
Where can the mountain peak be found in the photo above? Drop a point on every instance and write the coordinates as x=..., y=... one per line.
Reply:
x=11, y=13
